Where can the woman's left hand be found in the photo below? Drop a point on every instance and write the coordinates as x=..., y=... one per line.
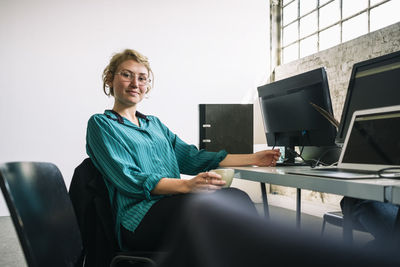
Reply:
x=266, y=157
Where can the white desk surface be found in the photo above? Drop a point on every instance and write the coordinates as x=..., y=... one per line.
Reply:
x=380, y=189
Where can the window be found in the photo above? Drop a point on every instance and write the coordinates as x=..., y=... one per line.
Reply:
x=355, y=27
x=308, y=46
x=329, y=37
x=309, y=26
x=380, y=16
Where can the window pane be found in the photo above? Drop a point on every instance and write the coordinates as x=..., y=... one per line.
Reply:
x=286, y=1
x=307, y=6
x=329, y=14
x=373, y=2
x=384, y=15
x=290, y=53
x=290, y=34
x=290, y=12
x=308, y=46
x=355, y=27
x=351, y=7
x=321, y=2
x=330, y=37
x=308, y=24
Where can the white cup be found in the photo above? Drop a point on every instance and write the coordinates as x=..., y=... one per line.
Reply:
x=226, y=175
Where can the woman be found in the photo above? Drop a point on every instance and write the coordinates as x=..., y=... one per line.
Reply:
x=141, y=159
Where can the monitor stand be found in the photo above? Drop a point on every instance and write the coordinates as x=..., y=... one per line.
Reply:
x=290, y=156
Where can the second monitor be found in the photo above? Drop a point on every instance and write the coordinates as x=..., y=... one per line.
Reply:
x=289, y=117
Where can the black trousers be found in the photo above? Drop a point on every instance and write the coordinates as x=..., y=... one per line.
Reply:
x=219, y=231
x=163, y=221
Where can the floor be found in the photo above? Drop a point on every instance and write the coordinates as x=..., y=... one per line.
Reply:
x=11, y=254
x=10, y=251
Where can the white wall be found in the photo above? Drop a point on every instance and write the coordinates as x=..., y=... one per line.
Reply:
x=52, y=54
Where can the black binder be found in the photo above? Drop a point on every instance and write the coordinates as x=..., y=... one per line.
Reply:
x=226, y=126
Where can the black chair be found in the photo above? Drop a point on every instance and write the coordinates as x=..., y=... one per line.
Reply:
x=42, y=213
x=92, y=206
x=336, y=218
x=44, y=217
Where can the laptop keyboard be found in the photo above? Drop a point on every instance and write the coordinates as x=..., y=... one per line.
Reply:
x=345, y=170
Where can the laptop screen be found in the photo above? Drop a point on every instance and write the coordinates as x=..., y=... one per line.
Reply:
x=374, y=139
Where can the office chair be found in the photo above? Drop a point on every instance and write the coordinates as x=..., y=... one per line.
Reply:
x=91, y=202
x=336, y=218
x=44, y=217
x=42, y=213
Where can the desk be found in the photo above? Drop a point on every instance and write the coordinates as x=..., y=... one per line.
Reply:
x=379, y=189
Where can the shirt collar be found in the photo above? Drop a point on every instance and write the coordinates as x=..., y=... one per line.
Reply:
x=119, y=118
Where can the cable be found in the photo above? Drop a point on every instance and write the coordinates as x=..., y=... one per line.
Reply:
x=301, y=150
x=391, y=172
x=323, y=154
x=293, y=152
x=312, y=162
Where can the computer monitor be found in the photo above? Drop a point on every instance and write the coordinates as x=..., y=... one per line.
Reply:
x=289, y=117
x=373, y=83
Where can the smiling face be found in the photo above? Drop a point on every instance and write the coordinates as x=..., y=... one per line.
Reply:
x=129, y=93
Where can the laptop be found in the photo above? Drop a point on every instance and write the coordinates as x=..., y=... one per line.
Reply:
x=371, y=144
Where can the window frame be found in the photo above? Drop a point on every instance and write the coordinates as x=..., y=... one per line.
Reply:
x=280, y=18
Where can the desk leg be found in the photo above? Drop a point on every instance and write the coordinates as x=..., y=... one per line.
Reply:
x=396, y=235
x=265, y=200
x=298, y=208
x=347, y=224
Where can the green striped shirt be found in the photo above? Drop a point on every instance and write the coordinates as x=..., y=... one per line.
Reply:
x=133, y=159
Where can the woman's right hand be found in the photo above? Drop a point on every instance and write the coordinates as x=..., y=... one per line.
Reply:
x=205, y=182
x=202, y=182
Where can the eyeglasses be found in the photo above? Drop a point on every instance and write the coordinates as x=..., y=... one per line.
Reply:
x=393, y=172
x=129, y=76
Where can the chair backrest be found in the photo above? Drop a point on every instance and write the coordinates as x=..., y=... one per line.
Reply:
x=92, y=205
x=42, y=213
